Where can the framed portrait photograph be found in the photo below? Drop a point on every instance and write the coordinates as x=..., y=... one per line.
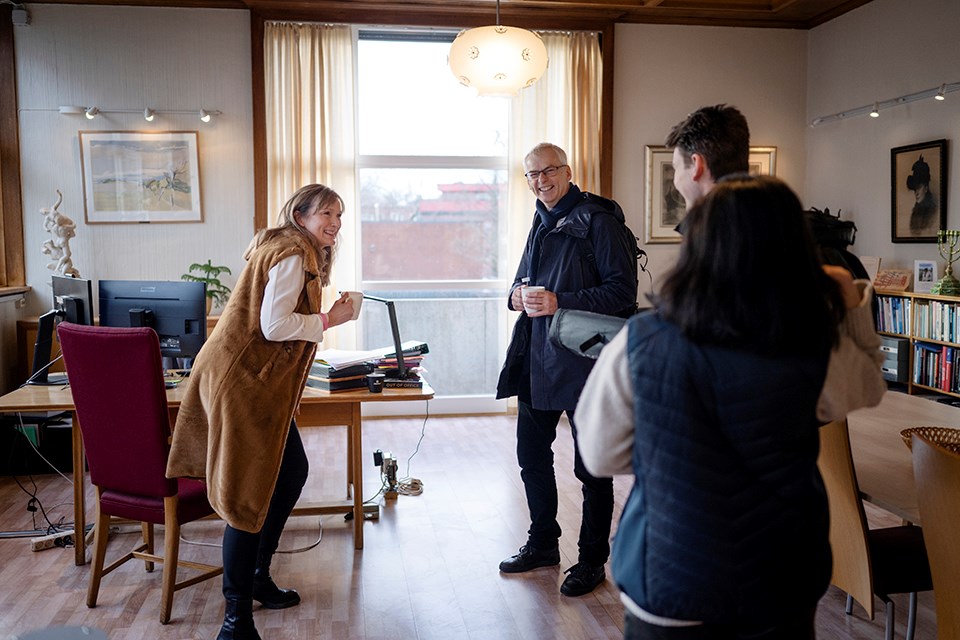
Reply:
x=139, y=177
x=918, y=191
x=924, y=275
x=665, y=207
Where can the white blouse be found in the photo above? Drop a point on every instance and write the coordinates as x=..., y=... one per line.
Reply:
x=278, y=318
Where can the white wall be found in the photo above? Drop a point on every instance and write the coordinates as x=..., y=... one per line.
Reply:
x=880, y=51
x=131, y=58
x=665, y=72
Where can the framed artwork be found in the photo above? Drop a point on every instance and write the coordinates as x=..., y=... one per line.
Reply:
x=665, y=207
x=924, y=275
x=139, y=177
x=918, y=191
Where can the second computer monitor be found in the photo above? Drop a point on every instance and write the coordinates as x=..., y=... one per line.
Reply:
x=177, y=311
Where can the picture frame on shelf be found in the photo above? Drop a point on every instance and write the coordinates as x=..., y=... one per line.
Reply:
x=918, y=191
x=665, y=208
x=924, y=275
x=140, y=176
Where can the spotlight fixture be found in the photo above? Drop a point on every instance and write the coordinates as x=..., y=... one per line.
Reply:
x=148, y=114
x=91, y=113
x=497, y=60
x=205, y=115
x=876, y=111
x=940, y=93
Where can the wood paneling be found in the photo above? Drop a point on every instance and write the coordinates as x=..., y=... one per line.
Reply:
x=793, y=14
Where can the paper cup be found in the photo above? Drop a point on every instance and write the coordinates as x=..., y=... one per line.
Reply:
x=355, y=297
x=526, y=290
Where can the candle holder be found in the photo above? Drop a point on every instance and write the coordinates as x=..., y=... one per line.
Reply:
x=947, y=243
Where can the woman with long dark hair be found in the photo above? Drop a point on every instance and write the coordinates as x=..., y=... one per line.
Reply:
x=713, y=401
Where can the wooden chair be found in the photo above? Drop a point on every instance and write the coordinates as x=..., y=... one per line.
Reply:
x=116, y=378
x=867, y=562
x=937, y=472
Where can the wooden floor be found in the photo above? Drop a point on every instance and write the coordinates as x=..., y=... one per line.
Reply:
x=428, y=569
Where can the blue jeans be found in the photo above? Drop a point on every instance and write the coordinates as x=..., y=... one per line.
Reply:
x=536, y=431
x=242, y=550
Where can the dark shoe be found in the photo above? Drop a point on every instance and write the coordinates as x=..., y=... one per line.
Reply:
x=238, y=621
x=583, y=579
x=530, y=558
x=270, y=596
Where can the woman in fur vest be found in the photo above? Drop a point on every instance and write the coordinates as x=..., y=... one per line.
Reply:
x=235, y=428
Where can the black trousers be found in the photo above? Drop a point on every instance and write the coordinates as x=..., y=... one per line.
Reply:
x=242, y=550
x=536, y=431
x=792, y=628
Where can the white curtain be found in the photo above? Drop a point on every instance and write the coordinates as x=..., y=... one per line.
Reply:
x=309, y=80
x=562, y=107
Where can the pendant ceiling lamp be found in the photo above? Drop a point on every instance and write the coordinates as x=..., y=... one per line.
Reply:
x=497, y=60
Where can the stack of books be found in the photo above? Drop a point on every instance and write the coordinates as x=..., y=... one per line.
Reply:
x=413, y=352
x=336, y=370
x=325, y=376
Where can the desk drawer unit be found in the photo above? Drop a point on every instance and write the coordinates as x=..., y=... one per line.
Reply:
x=896, y=358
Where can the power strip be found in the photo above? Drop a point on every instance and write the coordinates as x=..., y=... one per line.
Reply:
x=371, y=512
x=48, y=541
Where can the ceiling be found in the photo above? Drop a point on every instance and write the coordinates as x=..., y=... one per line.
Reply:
x=791, y=14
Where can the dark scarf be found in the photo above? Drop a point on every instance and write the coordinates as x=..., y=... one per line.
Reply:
x=548, y=221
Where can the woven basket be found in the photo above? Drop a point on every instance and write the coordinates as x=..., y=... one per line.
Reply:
x=946, y=437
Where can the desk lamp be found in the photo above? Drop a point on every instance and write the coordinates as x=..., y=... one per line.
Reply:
x=402, y=373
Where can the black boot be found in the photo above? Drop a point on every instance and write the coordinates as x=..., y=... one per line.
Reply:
x=238, y=621
x=266, y=591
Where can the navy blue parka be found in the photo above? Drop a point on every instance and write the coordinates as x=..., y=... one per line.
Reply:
x=587, y=260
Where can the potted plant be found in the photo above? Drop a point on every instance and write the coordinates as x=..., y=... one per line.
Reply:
x=217, y=292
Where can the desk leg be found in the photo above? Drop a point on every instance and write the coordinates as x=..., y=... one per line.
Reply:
x=355, y=474
x=79, y=491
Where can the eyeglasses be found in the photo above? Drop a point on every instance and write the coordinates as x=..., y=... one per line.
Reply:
x=546, y=172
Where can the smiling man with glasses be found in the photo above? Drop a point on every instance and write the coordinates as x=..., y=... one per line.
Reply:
x=577, y=256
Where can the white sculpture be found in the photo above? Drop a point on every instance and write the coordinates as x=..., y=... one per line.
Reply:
x=58, y=248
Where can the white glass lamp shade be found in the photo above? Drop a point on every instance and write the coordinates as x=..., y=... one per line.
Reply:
x=497, y=60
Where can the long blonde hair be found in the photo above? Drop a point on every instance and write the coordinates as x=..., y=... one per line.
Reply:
x=306, y=201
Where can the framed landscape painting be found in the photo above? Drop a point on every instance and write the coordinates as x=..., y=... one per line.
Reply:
x=140, y=177
x=918, y=191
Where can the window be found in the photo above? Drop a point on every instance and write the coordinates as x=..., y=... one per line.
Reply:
x=432, y=178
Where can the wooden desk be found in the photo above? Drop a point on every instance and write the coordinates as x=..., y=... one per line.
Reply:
x=317, y=409
x=883, y=462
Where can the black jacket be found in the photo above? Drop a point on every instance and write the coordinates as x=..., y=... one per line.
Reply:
x=588, y=263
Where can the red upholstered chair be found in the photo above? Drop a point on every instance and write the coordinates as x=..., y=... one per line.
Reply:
x=116, y=378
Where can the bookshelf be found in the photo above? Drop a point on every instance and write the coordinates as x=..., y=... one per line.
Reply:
x=929, y=326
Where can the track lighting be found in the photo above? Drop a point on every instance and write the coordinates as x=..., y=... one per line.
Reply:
x=937, y=93
x=148, y=113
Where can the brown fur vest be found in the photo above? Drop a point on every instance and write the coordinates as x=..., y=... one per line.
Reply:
x=242, y=394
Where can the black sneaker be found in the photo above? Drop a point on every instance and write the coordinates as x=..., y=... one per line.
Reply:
x=530, y=558
x=583, y=579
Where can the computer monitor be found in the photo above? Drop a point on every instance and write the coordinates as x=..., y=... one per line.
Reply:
x=72, y=302
x=177, y=311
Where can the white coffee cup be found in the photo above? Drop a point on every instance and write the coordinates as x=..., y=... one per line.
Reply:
x=526, y=290
x=356, y=298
